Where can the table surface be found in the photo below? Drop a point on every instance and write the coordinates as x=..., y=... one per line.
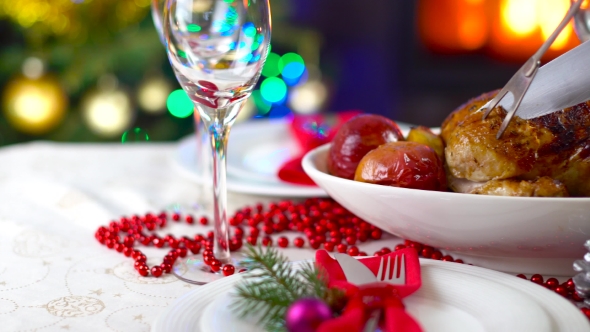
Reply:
x=54, y=276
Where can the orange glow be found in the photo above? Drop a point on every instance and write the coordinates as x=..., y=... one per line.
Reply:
x=473, y=30
x=508, y=29
x=453, y=25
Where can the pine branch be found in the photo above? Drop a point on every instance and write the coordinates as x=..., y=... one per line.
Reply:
x=272, y=285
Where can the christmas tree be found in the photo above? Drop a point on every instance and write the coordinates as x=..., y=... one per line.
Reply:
x=87, y=70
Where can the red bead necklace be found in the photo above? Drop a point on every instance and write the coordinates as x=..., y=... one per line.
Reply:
x=324, y=222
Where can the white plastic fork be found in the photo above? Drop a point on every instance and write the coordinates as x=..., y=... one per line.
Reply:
x=397, y=276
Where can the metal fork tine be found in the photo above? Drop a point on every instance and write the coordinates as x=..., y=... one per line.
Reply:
x=494, y=102
x=522, y=79
x=513, y=109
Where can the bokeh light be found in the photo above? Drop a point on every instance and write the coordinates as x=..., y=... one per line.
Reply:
x=262, y=105
x=279, y=111
x=271, y=66
x=152, y=95
x=34, y=106
x=33, y=68
x=107, y=113
x=273, y=89
x=293, y=70
x=308, y=98
x=288, y=58
x=179, y=104
x=134, y=135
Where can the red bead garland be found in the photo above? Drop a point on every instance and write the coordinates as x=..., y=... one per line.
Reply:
x=323, y=222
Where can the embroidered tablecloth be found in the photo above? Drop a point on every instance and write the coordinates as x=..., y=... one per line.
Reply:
x=54, y=276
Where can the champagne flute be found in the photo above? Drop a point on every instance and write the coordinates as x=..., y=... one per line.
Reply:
x=217, y=49
x=203, y=160
x=157, y=9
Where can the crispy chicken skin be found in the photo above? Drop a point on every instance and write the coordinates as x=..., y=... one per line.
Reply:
x=556, y=145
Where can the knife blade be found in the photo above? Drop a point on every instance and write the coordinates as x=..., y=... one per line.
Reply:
x=354, y=271
x=559, y=84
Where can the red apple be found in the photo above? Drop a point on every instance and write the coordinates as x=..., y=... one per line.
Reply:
x=355, y=138
x=403, y=164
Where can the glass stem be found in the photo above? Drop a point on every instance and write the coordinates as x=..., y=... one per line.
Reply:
x=217, y=123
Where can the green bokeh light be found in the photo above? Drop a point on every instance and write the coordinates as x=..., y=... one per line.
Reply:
x=273, y=89
x=288, y=58
x=261, y=104
x=271, y=66
x=250, y=31
x=193, y=28
x=135, y=135
x=179, y=104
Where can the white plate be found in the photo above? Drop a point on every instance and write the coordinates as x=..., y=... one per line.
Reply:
x=253, y=179
x=256, y=151
x=454, y=297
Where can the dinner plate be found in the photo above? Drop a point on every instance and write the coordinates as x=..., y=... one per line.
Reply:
x=453, y=297
x=256, y=151
x=270, y=144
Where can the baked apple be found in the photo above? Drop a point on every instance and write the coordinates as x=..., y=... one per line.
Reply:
x=425, y=136
x=403, y=164
x=355, y=138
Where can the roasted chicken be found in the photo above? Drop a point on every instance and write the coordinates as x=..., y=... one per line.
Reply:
x=535, y=157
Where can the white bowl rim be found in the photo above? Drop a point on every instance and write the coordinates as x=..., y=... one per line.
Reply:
x=310, y=168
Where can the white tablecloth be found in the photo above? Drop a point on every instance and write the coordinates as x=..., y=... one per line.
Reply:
x=54, y=276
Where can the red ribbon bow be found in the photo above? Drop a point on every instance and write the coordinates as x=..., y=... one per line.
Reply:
x=311, y=131
x=384, y=296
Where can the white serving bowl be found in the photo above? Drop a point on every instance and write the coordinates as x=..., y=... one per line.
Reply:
x=511, y=234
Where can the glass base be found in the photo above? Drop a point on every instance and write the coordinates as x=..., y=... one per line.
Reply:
x=192, y=269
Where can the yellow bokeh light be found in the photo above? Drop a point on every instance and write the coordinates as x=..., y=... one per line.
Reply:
x=152, y=95
x=107, y=113
x=34, y=106
x=519, y=16
x=309, y=97
x=549, y=15
x=525, y=17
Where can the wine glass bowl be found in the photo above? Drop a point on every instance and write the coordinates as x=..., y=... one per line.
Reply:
x=218, y=53
x=217, y=49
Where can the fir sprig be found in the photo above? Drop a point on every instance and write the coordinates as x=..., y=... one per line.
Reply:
x=272, y=284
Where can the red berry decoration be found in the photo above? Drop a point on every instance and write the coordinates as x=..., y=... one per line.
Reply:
x=329, y=246
x=143, y=270
x=342, y=248
x=215, y=265
x=228, y=270
x=537, y=279
x=283, y=242
x=353, y=251
x=156, y=271
x=299, y=242
x=267, y=241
